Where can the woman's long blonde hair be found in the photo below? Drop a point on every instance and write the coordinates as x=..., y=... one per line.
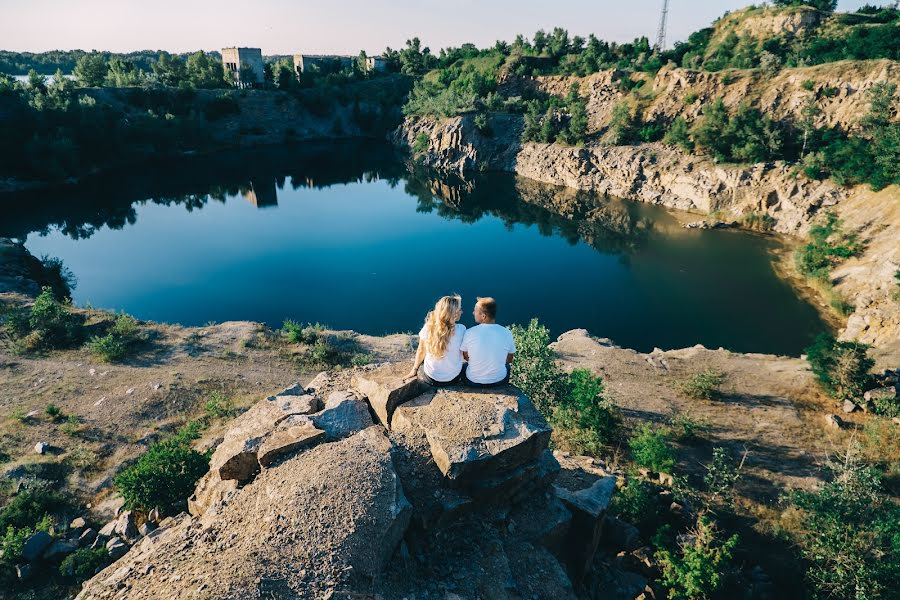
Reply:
x=440, y=324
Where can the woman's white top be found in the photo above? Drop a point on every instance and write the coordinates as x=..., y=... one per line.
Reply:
x=447, y=367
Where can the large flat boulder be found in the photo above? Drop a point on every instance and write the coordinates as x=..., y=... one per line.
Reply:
x=236, y=457
x=287, y=440
x=320, y=523
x=386, y=389
x=476, y=435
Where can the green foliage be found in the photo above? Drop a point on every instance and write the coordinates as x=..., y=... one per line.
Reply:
x=422, y=143
x=118, y=342
x=684, y=429
x=221, y=107
x=584, y=417
x=650, y=448
x=841, y=367
x=72, y=425
x=679, y=134
x=823, y=5
x=746, y=136
x=850, y=533
x=758, y=220
x=534, y=370
x=622, y=125
x=33, y=507
x=90, y=70
x=703, y=385
x=886, y=405
x=555, y=119
x=361, y=359
x=48, y=324
x=828, y=246
x=699, y=567
x=84, y=563
x=637, y=503
x=295, y=332
x=219, y=406
x=53, y=411
x=721, y=476
x=165, y=475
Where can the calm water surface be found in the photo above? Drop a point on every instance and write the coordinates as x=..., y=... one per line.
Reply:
x=346, y=235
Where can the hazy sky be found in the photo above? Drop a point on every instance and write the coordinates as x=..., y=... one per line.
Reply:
x=332, y=26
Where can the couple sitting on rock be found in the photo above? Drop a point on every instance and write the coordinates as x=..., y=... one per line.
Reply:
x=444, y=345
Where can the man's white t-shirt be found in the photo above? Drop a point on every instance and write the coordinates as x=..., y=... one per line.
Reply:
x=447, y=367
x=487, y=345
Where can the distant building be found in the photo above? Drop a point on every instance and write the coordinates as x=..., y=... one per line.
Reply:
x=324, y=63
x=377, y=64
x=245, y=66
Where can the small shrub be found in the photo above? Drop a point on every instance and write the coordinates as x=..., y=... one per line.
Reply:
x=361, y=359
x=848, y=534
x=637, y=503
x=679, y=134
x=703, y=385
x=19, y=415
x=650, y=449
x=691, y=97
x=421, y=143
x=584, y=416
x=297, y=333
x=84, y=563
x=699, y=567
x=165, y=475
x=33, y=507
x=481, y=124
x=685, y=429
x=72, y=425
x=54, y=412
x=534, y=370
x=808, y=85
x=48, y=324
x=886, y=405
x=219, y=406
x=721, y=475
x=841, y=367
x=759, y=221
x=827, y=247
x=117, y=343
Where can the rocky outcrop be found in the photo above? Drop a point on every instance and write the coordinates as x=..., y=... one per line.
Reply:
x=455, y=500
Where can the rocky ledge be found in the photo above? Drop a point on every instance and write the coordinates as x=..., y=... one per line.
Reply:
x=383, y=489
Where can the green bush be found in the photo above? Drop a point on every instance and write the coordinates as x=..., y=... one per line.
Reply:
x=219, y=406
x=637, y=503
x=841, y=367
x=650, y=448
x=747, y=136
x=118, y=342
x=685, y=429
x=721, y=475
x=421, y=143
x=679, y=134
x=84, y=563
x=165, y=475
x=48, y=324
x=828, y=246
x=298, y=333
x=850, y=533
x=534, y=370
x=702, y=385
x=584, y=417
x=699, y=567
x=361, y=359
x=53, y=411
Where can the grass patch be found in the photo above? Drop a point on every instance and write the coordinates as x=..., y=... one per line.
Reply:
x=219, y=406
x=703, y=385
x=118, y=341
x=650, y=448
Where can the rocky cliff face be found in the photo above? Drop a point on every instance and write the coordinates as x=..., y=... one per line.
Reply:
x=664, y=175
x=450, y=494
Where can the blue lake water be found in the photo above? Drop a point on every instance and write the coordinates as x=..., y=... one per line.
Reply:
x=350, y=236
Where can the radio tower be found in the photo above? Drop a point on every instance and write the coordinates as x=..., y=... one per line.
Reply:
x=661, y=34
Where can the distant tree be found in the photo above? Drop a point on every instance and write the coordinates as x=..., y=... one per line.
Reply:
x=283, y=74
x=36, y=81
x=90, y=70
x=415, y=59
x=122, y=73
x=204, y=71
x=823, y=5
x=807, y=123
x=622, y=124
x=170, y=70
x=679, y=134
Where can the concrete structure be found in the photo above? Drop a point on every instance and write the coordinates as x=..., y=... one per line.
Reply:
x=377, y=64
x=328, y=63
x=245, y=66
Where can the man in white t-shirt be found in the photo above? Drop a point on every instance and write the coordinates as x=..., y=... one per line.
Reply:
x=488, y=347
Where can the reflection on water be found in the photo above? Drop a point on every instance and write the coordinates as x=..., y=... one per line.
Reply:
x=349, y=235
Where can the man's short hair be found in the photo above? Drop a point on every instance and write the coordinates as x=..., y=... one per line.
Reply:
x=488, y=307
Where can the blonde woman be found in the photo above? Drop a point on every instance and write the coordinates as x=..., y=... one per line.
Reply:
x=438, y=354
